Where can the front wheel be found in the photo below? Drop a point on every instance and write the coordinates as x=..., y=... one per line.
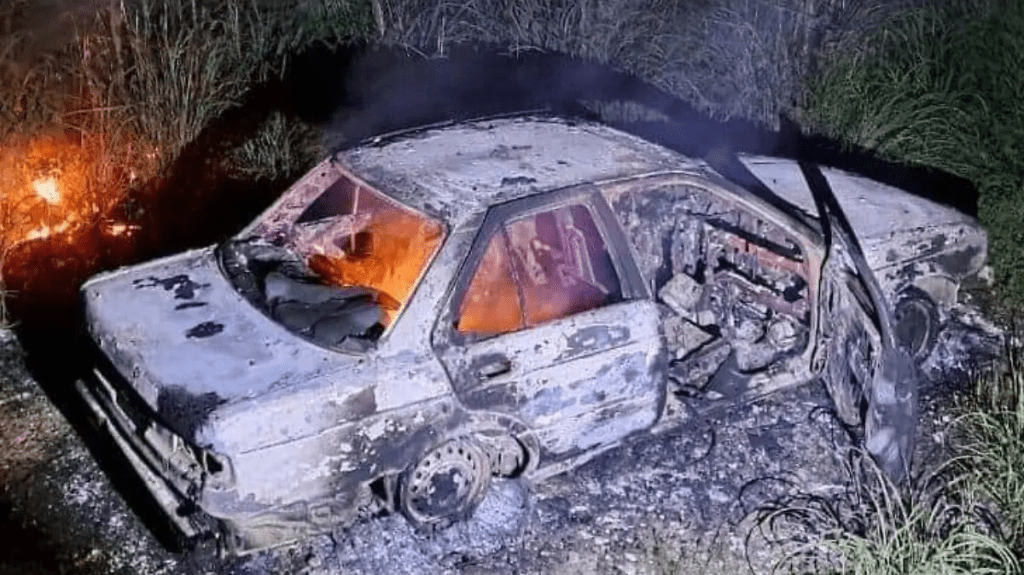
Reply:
x=917, y=322
x=446, y=485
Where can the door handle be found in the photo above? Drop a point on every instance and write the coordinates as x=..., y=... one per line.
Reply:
x=494, y=368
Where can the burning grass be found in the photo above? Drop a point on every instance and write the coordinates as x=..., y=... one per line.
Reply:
x=93, y=124
x=49, y=186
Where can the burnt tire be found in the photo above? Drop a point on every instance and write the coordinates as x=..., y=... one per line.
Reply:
x=446, y=485
x=917, y=322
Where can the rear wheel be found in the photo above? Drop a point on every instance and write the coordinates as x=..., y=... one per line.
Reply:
x=446, y=484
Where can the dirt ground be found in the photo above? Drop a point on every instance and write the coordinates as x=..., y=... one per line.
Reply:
x=676, y=501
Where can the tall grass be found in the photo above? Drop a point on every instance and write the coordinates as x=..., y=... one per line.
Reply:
x=146, y=77
x=939, y=86
x=32, y=94
x=992, y=437
x=728, y=58
x=935, y=525
x=164, y=69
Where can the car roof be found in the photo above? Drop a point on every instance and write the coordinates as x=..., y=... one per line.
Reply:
x=456, y=172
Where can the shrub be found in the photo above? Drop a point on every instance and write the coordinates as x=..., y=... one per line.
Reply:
x=938, y=86
x=992, y=437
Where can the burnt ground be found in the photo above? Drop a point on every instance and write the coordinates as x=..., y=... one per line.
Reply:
x=677, y=501
x=679, y=496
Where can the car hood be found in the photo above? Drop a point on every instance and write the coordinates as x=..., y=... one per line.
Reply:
x=893, y=226
x=874, y=209
x=179, y=333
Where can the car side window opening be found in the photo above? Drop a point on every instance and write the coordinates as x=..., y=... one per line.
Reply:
x=730, y=282
x=538, y=268
x=492, y=304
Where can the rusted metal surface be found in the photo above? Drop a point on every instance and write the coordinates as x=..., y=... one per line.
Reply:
x=551, y=286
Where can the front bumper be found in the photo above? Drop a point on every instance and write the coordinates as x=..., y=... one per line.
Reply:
x=170, y=469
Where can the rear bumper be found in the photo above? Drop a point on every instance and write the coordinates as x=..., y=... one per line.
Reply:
x=174, y=475
x=130, y=435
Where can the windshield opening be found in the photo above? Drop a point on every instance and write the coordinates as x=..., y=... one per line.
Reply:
x=353, y=236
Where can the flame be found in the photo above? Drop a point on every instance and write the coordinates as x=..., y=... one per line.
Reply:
x=396, y=246
x=46, y=231
x=44, y=188
x=51, y=184
x=56, y=195
x=47, y=189
x=119, y=229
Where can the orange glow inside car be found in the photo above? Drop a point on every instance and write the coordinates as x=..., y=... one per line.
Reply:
x=354, y=236
x=491, y=305
x=560, y=262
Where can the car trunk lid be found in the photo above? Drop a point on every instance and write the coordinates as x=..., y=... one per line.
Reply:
x=188, y=343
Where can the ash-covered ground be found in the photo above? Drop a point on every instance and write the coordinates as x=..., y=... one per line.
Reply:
x=676, y=501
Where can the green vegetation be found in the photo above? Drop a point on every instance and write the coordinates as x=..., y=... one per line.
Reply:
x=992, y=445
x=940, y=87
x=965, y=515
x=936, y=524
x=934, y=86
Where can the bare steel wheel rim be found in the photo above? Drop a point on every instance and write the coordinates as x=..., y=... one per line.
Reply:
x=446, y=484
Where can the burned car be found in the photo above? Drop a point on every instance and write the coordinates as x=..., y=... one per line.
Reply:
x=503, y=297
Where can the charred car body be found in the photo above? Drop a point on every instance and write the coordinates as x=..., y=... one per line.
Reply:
x=505, y=297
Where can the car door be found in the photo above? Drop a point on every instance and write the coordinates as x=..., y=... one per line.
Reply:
x=871, y=378
x=549, y=323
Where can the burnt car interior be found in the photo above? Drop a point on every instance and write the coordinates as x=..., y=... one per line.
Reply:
x=340, y=273
x=732, y=287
